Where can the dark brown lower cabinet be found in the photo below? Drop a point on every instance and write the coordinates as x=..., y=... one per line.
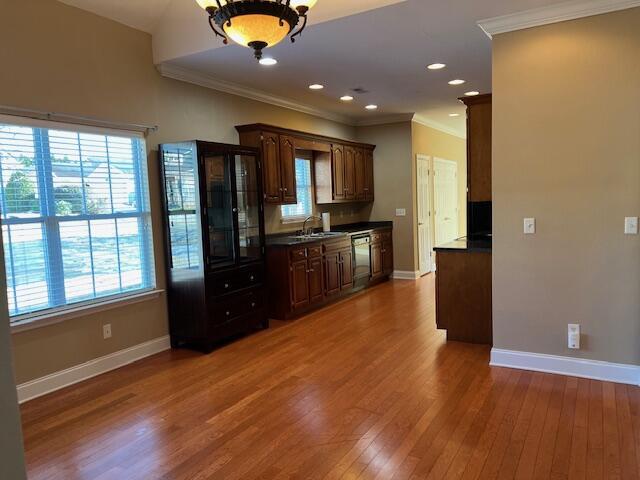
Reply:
x=387, y=258
x=315, y=277
x=304, y=277
x=376, y=260
x=463, y=296
x=299, y=284
x=332, y=273
x=346, y=269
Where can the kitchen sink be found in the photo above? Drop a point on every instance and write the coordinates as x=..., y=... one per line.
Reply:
x=318, y=235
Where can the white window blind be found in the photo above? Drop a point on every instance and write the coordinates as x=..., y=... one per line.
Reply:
x=304, y=188
x=75, y=218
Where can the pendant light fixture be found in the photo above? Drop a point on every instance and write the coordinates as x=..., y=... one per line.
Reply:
x=256, y=24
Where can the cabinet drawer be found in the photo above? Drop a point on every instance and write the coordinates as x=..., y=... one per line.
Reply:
x=236, y=306
x=228, y=282
x=315, y=251
x=298, y=253
x=338, y=245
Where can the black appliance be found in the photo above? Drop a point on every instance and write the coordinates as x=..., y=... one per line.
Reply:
x=479, y=216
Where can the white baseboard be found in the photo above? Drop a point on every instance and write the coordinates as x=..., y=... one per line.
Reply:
x=573, y=367
x=78, y=373
x=402, y=275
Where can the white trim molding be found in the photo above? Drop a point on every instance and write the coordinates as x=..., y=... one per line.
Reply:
x=559, y=12
x=64, y=378
x=207, y=81
x=573, y=367
x=405, y=275
x=427, y=122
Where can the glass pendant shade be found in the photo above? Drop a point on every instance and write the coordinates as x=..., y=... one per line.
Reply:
x=246, y=29
x=204, y=4
x=303, y=3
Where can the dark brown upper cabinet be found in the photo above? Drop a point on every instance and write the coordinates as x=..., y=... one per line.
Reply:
x=478, y=147
x=343, y=170
x=288, y=170
x=270, y=144
x=338, y=169
x=278, y=164
x=368, y=175
x=350, y=173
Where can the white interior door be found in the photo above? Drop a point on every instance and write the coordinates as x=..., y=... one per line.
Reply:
x=424, y=212
x=445, y=181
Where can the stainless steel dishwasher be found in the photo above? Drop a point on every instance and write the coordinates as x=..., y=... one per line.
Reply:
x=361, y=257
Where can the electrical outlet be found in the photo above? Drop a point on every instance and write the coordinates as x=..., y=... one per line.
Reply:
x=529, y=226
x=401, y=212
x=573, y=333
x=106, y=331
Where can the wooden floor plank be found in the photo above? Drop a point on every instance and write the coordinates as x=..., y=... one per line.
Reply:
x=366, y=388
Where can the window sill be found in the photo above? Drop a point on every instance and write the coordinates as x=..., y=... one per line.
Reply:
x=51, y=318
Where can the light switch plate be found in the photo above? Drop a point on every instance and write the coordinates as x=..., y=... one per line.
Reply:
x=401, y=212
x=631, y=225
x=529, y=226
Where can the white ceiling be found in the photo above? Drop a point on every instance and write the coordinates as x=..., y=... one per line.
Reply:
x=382, y=46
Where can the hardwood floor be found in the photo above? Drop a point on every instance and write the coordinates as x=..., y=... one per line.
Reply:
x=366, y=388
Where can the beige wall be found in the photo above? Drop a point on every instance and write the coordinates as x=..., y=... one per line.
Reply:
x=393, y=185
x=566, y=150
x=66, y=60
x=434, y=143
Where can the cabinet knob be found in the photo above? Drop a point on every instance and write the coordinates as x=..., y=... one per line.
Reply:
x=235, y=210
x=228, y=313
x=285, y=190
x=251, y=278
x=253, y=304
x=226, y=285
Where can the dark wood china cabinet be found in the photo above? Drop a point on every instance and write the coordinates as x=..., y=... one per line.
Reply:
x=215, y=241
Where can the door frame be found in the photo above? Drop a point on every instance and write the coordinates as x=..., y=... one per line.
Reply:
x=431, y=264
x=457, y=222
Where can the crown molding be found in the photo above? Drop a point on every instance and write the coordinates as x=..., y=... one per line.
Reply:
x=203, y=80
x=427, y=122
x=552, y=14
x=383, y=120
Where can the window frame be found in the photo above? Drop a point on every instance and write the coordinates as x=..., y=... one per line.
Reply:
x=50, y=222
x=287, y=219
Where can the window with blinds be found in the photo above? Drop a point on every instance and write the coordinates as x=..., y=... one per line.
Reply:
x=304, y=187
x=76, y=223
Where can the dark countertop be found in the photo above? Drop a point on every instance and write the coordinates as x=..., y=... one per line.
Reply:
x=288, y=240
x=474, y=244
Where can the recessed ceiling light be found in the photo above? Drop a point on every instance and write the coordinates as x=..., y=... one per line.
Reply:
x=472, y=94
x=457, y=81
x=346, y=98
x=436, y=66
x=371, y=107
x=268, y=61
x=454, y=114
x=316, y=86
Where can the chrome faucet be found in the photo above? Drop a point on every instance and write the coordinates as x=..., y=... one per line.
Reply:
x=308, y=232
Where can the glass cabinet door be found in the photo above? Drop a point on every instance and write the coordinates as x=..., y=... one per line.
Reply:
x=220, y=248
x=181, y=189
x=248, y=207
